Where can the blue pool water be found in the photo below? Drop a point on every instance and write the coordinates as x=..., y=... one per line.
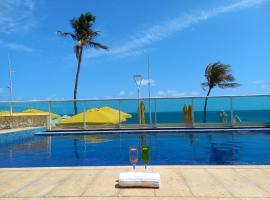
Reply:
x=24, y=149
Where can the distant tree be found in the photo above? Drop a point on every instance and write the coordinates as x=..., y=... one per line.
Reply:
x=85, y=36
x=217, y=74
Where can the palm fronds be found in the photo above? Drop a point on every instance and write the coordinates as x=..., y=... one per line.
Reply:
x=217, y=74
x=85, y=36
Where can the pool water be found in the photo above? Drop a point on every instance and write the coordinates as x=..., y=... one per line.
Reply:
x=203, y=148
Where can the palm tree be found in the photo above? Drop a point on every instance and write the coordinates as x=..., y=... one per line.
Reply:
x=84, y=36
x=217, y=74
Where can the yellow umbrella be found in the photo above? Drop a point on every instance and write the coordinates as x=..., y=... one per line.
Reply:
x=190, y=113
x=187, y=111
x=93, y=116
x=4, y=113
x=53, y=116
x=141, y=113
x=116, y=112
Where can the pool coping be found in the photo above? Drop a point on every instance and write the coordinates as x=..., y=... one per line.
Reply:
x=156, y=130
x=5, y=131
x=140, y=166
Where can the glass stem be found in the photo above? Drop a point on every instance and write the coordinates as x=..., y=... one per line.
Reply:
x=133, y=167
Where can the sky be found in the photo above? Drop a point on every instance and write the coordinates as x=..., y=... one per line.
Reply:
x=180, y=37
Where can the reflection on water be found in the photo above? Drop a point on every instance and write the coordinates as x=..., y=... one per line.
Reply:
x=42, y=144
x=113, y=149
x=31, y=145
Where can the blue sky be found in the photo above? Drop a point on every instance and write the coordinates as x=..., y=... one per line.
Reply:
x=181, y=37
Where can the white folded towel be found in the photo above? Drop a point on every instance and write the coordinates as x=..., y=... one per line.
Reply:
x=139, y=179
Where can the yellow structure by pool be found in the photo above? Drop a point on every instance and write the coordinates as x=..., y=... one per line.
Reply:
x=96, y=116
x=29, y=112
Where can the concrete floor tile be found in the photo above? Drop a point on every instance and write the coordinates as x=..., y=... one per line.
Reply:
x=19, y=181
x=44, y=185
x=136, y=192
x=202, y=184
x=172, y=184
x=258, y=176
x=237, y=185
x=75, y=185
x=104, y=184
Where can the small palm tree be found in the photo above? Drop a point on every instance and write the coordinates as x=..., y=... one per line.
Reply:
x=84, y=36
x=217, y=74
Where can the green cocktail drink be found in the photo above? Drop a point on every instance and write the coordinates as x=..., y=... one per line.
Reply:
x=145, y=155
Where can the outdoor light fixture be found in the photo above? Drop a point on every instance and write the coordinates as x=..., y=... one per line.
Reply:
x=138, y=81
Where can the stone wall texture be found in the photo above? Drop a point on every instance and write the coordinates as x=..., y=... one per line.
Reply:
x=7, y=122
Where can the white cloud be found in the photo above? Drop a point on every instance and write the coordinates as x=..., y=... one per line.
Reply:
x=136, y=44
x=264, y=86
x=146, y=81
x=17, y=15
x=261, y=84
x=195, y=93
x=170, y=93
x=122, y=93
x=18, y=47
x=258, y=81
x=15, y=46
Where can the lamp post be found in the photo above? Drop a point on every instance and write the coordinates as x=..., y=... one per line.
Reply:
x=10, y=85
x=149, y=91
x=138, y=81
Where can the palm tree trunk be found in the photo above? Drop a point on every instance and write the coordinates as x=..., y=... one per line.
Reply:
x=77, y=79
x=205, y=105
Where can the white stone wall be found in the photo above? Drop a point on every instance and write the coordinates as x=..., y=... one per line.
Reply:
x=7, y=122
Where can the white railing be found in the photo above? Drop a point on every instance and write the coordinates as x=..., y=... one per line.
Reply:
x=249, y=110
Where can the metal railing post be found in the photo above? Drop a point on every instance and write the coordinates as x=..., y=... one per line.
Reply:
x=49, y=125
x=155, y=112
x=231, y=110
x=84, y=116
x=119, y=114
x=192, y=112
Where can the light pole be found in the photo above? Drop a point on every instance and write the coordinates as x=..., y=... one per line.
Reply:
x=138, y=81
x=149, y=91
x=10, y=85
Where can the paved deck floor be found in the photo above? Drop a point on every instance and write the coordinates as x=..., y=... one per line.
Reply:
x=177, y=182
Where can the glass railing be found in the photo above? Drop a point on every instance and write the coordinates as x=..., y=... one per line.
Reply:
x=221, y=111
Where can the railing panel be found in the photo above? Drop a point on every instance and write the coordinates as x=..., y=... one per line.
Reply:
x=65, y=110
x=218, y=111
x=112, y=106
x=24, y=114
x=130, y=107
x=29, y=106
x=4, y=107
x=251, y=109
x=170, y=111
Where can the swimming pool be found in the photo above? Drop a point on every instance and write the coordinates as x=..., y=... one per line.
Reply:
x=24, y=149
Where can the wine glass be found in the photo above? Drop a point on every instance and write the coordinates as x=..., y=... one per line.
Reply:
x=133, y=155
x=145, y=155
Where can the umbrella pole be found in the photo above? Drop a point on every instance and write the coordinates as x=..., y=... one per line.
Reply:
x=149, y=91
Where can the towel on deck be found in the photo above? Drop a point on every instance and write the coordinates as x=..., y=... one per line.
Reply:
x=139, y=179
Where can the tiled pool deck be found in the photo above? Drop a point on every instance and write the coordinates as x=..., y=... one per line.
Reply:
x=177, y=182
